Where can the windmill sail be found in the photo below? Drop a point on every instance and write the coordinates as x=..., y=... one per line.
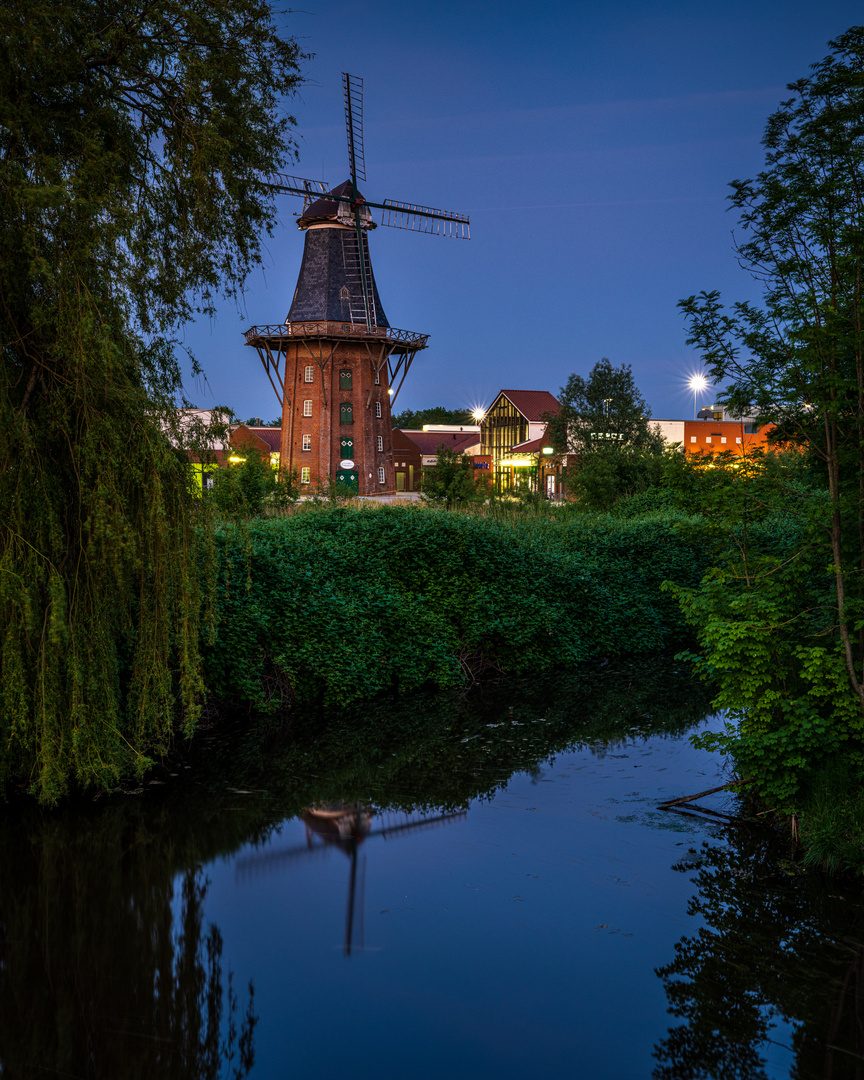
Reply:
x=424, y=219
x=352, y=88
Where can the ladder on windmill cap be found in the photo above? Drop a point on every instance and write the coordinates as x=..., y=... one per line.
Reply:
x=354, y=277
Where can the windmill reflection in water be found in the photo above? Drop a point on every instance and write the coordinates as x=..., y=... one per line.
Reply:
x=345, y=826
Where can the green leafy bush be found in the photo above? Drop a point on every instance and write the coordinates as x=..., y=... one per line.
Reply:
x=336, y=605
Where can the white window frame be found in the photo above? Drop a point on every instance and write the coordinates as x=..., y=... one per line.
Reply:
x=309, y=373
x=378, y=408
x=305, y=475
x=380, y=444
x=307, y=407
x=381, y=474
x=307, y=442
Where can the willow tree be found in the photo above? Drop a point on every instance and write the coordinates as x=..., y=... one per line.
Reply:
x=134, y=136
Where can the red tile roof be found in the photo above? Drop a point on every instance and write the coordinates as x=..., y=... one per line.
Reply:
x=532, y=446
x=429, y=441
x=532, y=403
x=269, y=435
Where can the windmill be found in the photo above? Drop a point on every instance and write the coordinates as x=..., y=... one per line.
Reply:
x=344, y=826
x=336, y=343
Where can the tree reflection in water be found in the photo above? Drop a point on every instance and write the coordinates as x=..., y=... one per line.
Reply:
x=774, y=949
x=102, y=974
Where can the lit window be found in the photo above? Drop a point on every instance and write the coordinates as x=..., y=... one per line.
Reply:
x=307, y=408
x=304, y=476
x=307, y=442
x=380, y=443
x=707, y=438
x=346, y=413
x=377, y=408
x=738, y=439
x=723, y=439
x=381, y=476
x=309, y=374
x=692, y=438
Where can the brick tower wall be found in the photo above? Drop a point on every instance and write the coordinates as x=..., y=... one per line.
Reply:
x=330, y=397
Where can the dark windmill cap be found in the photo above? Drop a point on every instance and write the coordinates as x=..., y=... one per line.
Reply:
x=335, y=210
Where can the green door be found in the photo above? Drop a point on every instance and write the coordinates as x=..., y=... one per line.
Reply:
x=347, y=477
x=346, y=449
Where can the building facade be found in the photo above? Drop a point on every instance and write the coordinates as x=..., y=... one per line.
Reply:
x=514, y=421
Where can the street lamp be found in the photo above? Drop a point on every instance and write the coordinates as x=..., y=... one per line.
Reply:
x=697, y=384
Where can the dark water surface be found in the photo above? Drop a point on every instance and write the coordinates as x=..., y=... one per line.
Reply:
x=476, y=886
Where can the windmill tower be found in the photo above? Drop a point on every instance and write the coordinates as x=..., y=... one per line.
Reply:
x=335, y=364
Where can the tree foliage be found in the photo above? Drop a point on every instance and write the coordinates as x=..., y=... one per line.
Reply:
x=250, y=488
x=134, y=138
x=604, y=422
x=797, y=360
x=451, y=481
x=412, y=420
x=604, y=409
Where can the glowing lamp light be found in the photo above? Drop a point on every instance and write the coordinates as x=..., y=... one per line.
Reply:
x=478, y=415
x=236, y=460
x=697, y=384
x=548, y=450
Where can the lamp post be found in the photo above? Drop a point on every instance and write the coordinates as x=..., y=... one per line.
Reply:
x=697, y=384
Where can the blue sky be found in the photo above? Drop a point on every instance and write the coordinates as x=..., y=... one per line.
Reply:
x=591, y=144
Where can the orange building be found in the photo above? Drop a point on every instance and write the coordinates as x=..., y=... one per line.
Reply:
x=715, y=432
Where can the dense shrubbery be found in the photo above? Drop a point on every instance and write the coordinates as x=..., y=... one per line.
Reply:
x=338, y=605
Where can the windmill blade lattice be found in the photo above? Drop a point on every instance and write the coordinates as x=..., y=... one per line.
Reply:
x=309, y=190
x=424, y=219
x=352, y=88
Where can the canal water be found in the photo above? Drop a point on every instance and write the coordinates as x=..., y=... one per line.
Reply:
x=474, y=885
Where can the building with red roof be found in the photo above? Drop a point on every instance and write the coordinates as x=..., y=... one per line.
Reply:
x=513, y=437
x=412, y=450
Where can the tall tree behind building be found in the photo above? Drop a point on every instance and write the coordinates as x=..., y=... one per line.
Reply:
x=605, y=423
x=134, y=138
